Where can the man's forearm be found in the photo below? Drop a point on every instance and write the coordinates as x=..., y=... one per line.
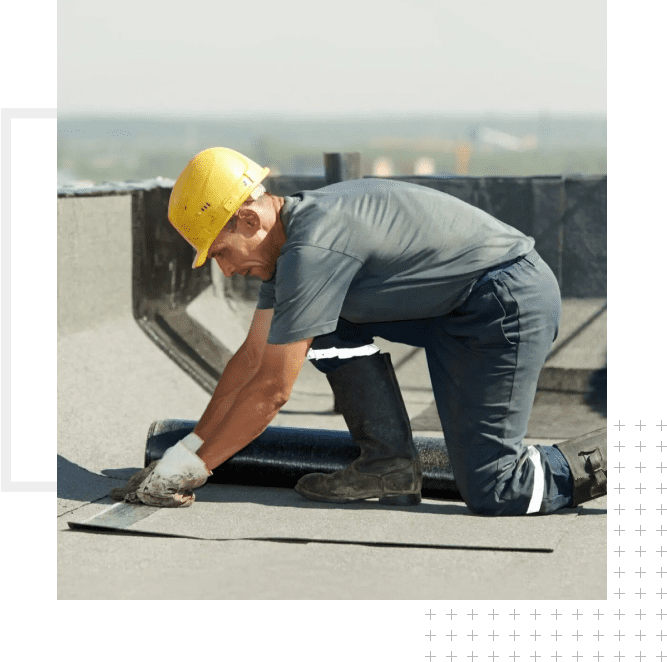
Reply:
x=255, y=406
x=240, y=369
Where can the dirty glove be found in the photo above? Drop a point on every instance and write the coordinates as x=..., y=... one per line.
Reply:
x=129, y=492
x=152, y=495
x=171, y=481
x=181, y=492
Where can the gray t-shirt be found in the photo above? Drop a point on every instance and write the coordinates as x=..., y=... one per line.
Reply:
x=375, y=250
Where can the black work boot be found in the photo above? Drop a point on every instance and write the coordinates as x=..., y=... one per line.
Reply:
x=368, y=396
x=587, y=458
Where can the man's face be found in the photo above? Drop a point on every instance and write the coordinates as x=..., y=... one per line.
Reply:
x=242, y=251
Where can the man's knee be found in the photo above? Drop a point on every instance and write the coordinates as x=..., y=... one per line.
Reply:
x=504, y=493
x=483, y=503
x=510, y=483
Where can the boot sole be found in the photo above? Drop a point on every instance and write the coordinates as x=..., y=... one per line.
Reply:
x=385, y=499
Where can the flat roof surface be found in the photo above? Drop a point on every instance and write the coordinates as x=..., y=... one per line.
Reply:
x=113, y=382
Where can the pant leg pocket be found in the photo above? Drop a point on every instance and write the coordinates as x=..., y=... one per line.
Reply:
x=507, y=318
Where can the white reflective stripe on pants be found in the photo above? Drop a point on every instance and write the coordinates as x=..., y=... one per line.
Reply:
x=341, y=352
x=538, y=481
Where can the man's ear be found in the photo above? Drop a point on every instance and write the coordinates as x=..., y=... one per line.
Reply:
x=248, y=220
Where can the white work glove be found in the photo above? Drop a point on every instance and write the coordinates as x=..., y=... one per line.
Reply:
x=172, y=479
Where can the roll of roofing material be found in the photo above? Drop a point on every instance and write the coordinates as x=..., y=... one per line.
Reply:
x=281, y=455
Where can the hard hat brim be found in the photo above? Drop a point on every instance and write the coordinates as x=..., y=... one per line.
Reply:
x=200, y=258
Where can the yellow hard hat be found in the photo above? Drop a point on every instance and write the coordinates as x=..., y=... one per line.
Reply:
x=208, y=193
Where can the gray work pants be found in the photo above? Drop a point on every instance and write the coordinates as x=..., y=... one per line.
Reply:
x=484, y=360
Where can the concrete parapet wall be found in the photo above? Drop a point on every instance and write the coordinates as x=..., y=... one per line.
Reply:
x=566, y=216
x=118, y=256
x=94, y=260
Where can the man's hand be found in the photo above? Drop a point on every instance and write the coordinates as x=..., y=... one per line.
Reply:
x=129, y=491
x=168, y=482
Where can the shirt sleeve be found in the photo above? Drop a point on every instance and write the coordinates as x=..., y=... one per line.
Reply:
x=310, y=287
x=267, y=294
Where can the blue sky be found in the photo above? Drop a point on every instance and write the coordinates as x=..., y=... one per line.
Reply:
x=344, y=58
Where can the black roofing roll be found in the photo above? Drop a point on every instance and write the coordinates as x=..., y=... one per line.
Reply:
x=281, y=455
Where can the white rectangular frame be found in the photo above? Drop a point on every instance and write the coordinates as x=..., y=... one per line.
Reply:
x=6, y=482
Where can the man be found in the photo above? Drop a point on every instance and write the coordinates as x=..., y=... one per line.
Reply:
x=365, y=258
